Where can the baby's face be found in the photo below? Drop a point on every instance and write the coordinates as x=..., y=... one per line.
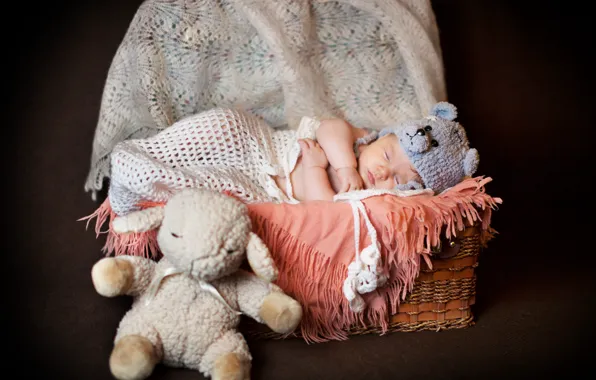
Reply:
x=383, y=164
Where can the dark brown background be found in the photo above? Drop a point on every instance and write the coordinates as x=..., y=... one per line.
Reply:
x=521, y=76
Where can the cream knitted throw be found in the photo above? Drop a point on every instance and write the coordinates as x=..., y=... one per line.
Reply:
x=220, y=149
x=372, y=62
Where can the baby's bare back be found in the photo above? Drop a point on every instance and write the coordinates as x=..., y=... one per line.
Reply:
x=299, y=180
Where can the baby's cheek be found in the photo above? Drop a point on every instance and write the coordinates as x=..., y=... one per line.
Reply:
x=386, y=185
x=405, y=175
x=416, y=177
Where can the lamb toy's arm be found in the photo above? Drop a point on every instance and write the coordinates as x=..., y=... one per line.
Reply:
x=127, y=275
x=123, y=275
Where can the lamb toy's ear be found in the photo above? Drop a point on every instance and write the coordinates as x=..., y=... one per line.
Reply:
x=444, y=110
x=471, y=162
x=139, y=221
x=260, y=259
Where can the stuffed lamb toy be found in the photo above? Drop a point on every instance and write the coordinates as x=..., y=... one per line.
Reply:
x=187, y=306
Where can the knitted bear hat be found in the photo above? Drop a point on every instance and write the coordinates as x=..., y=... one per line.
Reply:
x=437, y=146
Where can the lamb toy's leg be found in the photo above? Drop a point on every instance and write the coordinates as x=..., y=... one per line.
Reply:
x=280, y=312
x=228, y=358
x=267, y=303
x=137, y=347
x=123, y=275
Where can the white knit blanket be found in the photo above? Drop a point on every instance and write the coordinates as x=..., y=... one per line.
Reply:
x=220, y=149
x=372, y=62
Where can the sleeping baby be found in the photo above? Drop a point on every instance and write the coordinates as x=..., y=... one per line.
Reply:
x=429, y=153
x=228, y=150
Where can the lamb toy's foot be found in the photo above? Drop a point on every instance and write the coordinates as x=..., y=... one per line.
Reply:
x=112, y=276
x=281, y=312
x=133, y=358
x=230, y=367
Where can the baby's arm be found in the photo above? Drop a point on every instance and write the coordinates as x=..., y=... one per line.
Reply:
x=318, y=187
x=314, y=180
x=337, y=137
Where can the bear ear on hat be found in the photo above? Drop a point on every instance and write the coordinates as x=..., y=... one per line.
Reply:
x=444, y=110
x=471, y=161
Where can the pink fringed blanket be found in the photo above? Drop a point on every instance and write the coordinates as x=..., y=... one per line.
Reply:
x=313, y=243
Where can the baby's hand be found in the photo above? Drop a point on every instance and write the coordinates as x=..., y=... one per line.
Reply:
x=349, y=179
x=312, y=154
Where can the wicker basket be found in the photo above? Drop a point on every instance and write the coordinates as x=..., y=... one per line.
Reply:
x=441, y=299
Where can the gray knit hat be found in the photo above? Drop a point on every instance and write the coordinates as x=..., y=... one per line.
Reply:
x=437, y=147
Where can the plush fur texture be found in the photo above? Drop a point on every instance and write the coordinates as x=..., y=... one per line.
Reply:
x=175, y=319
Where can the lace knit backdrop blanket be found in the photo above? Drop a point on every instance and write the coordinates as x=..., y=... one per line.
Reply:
x=372, y=62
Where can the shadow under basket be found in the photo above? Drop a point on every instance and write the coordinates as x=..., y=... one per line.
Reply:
x=441, y=299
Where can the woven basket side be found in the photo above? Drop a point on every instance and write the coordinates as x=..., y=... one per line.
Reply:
x=440, y=300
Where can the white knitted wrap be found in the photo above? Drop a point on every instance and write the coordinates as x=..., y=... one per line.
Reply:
x=372, y=62
x=218, y=149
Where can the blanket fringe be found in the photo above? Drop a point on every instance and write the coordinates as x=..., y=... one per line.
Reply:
x=134, y=244
x=299, y=266
x=315, y=282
